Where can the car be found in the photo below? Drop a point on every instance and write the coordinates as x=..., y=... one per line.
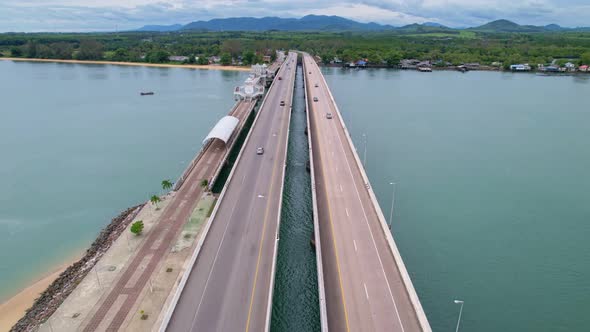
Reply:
x=260, y=150
x=316, y=85
x=282, y=103
x=329, y=116
x=310, y=72
x=280, y=78
x=315, y=98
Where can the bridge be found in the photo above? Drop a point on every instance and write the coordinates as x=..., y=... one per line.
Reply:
x=230, y=284
x=364, y=285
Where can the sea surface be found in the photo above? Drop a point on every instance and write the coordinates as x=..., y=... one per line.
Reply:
x=78, y=144
x=491, y=169
x=492, y=190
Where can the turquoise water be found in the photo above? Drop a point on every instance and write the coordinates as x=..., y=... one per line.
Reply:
x=492, y=190
x=78, y=145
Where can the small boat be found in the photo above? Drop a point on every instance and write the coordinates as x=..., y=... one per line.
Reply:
x=149, y=93
x=425, y=69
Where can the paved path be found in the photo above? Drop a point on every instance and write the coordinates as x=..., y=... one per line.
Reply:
x=113, y=308
x=229, y=286
x=364, y=288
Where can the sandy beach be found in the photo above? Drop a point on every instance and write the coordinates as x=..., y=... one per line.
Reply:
x=161, y=65
x=14, y=308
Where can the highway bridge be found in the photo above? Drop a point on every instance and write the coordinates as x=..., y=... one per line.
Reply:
x=230, y=284
x=363, y=283
x=367, y=287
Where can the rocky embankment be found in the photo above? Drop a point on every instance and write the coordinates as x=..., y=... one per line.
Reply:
x=46, y=304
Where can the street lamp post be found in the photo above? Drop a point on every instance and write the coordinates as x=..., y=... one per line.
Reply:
x=365, y=153
x=460, y=312
x=392, y=200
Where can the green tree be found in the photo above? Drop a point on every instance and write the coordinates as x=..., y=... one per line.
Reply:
x=90, y=50
x=248, y=57
x=202, y=60
x=120, y=54
x=585, y=58
x=155, y=199
x=158, y=56
x=31, y=49
x=16, y=52
x=137, y=227
x=226, y=59
x=166, y=184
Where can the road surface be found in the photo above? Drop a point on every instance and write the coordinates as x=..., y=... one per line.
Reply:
x=229, y=286
x=364, y=288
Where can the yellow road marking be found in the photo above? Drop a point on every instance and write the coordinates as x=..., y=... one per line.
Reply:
x=261, y=242
x=333, y=239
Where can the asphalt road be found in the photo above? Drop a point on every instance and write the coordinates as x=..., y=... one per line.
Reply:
x=128, y=287
x=228, y=288
x=364, y=289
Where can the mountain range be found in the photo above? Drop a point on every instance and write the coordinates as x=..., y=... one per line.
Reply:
x=337, y=23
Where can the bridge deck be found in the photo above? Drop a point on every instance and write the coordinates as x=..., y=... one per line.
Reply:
x=365, y=286
x=230, y=285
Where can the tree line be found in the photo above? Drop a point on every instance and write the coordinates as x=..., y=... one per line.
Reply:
x=386, y=48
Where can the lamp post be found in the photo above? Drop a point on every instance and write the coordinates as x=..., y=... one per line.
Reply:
x=365, y=153
x=392, y=200
x=460, y=312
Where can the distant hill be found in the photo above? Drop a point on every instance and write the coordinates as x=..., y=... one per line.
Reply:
x=509, y=26
x=337, y=23
x=306, y=23
x=161, y=28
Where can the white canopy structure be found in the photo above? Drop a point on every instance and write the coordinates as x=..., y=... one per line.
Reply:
x=223, y=129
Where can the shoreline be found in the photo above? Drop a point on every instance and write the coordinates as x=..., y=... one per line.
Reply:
x=15, y=307
x=137, y=64
x=35, y=303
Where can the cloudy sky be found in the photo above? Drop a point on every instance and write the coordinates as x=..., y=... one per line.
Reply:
x=99, y=15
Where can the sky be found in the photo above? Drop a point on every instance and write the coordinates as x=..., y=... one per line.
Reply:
x=111, y=15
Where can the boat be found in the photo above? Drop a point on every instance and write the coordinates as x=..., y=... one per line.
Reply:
x=425, y=69
x=149, y=93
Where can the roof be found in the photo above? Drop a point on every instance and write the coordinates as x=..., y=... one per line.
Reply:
x=223, y=129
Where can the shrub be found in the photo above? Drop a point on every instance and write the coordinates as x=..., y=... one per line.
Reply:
x=137, y=227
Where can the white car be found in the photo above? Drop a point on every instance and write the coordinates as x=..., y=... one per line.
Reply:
x=260, y=150
x=315, y=98
x=316, y=85
x=329, y=116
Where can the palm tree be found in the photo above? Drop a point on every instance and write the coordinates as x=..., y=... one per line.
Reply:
x=166, y=184
x=155, y=199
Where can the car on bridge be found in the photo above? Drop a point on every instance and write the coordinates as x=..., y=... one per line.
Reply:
x=280, y=78
x=316, y=85
x=282, y=103
x=315, y=98
x=329, y=116
x=260, y=150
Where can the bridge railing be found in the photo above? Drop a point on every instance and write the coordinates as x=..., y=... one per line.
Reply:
x=316, y=224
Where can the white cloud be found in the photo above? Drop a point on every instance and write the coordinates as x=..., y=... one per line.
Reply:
x=93, y=15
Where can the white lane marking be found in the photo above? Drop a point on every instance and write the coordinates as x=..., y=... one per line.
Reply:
x=366, y=293
x=244, y=179
x=336, y=169
x=332, y=153
x=341, y=190
x=354, y=242
x=260, y=196
x=348, y=215
x=368, y=226
x=213, y=265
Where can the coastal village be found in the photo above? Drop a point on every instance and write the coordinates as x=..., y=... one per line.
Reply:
x=556, y=66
